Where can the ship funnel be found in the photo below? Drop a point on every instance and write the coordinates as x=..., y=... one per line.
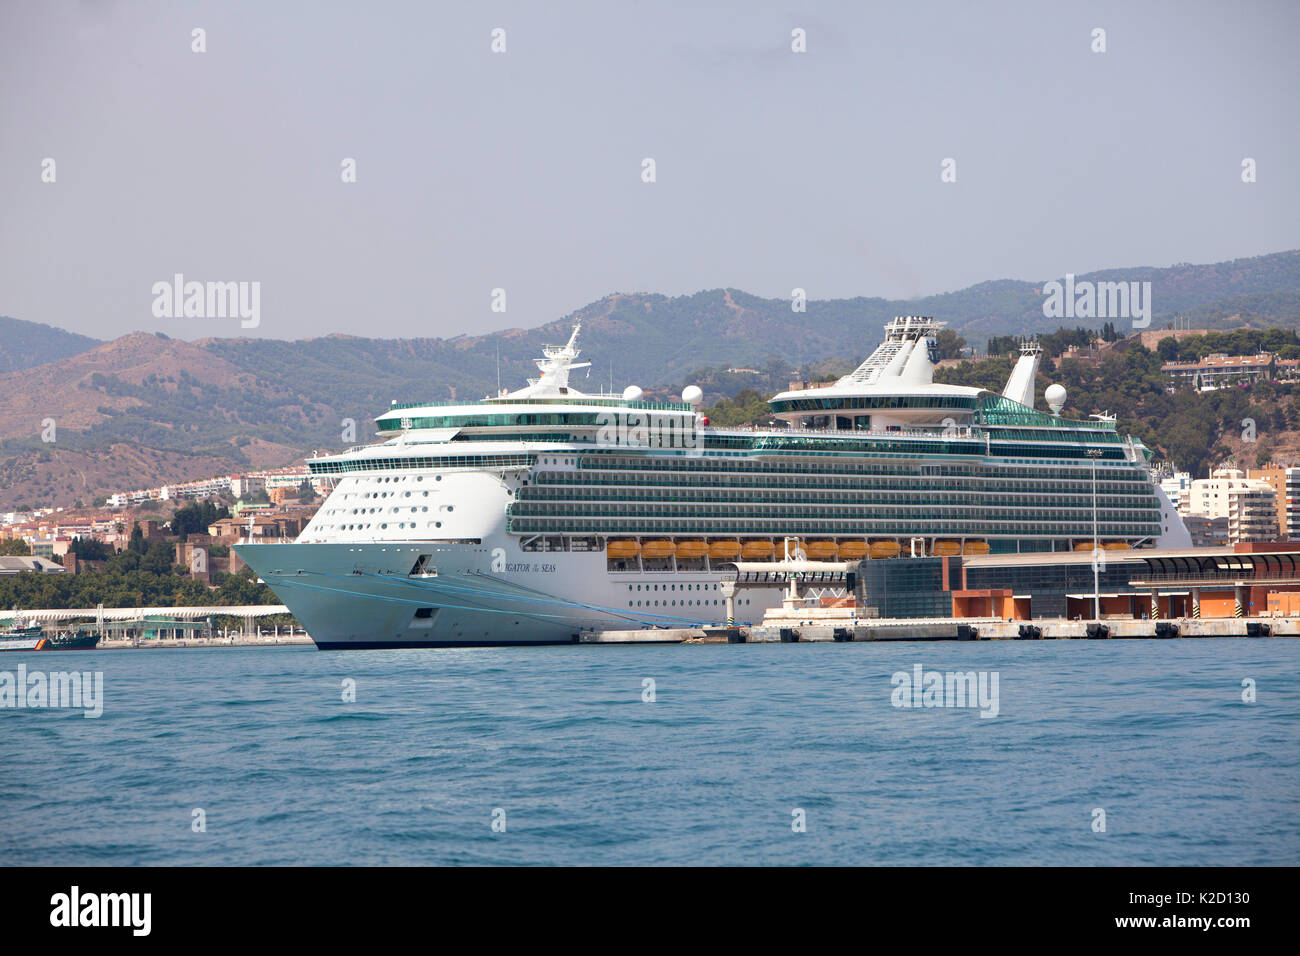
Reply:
x=919, y=370
x=1020, y=386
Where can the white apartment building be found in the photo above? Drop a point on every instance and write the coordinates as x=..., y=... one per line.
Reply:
x=1249, y=505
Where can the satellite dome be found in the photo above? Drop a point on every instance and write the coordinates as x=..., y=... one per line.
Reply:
x=692, y=395
x=632, y=393
x=1055, y=396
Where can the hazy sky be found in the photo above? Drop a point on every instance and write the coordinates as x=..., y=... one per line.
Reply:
x=522, y=170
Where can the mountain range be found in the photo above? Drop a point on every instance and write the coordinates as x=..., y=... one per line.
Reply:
x=145, y=409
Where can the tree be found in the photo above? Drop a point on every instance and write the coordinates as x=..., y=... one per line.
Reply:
x=196, y=518
x=14, y=546
x=949, y=344
x=158, y=559
x=90, y=549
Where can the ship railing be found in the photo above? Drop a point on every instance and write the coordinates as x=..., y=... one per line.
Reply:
x=960, y=431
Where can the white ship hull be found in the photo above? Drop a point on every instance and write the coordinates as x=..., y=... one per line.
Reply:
x=352, y=596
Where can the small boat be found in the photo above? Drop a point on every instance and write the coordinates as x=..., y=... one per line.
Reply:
x=884, y=549
x=752, y=550
x=821, y=550
x=661, y=548
x=21, y=636
x=975, y=547
x=692, y=549
x=623, y=548
x=724, y=550
x=853, y=550
x=945, y=549
x=71, y=640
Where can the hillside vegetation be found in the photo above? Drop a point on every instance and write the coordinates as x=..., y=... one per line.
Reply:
x=145, y=409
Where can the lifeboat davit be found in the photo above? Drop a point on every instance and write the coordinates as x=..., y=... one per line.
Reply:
x=623, y=548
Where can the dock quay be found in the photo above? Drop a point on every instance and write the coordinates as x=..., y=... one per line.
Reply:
x=845, y=630
x=164, y=643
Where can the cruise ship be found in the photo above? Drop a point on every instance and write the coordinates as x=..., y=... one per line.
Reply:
x=530, y=516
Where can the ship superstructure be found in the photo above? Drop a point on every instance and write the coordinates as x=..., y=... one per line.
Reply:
x=528, y=516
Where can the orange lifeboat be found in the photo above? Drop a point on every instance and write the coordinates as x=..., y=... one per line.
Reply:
x=724, y=550
x=623, y=548
x=692, y=549
x=658, y=549
x=853, y=550
x=945, y=549
x=1083, y=546
x=884, y=549
x=753, y=550
x=1116, y=546
x=975, y=547
x=821, y=550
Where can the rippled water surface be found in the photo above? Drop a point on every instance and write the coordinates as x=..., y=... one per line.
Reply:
x=1154, y=733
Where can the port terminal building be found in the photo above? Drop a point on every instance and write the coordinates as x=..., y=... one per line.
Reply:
x=1254, y=579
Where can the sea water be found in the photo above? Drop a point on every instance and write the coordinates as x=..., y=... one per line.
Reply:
x=1173, y=752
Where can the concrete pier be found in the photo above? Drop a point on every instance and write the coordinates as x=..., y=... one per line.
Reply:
x=265, y=640
x=825, y=629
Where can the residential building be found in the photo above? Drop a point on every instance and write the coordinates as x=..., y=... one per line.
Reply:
x=1249, y=506
x=1217, y=370
x=1206, y=532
